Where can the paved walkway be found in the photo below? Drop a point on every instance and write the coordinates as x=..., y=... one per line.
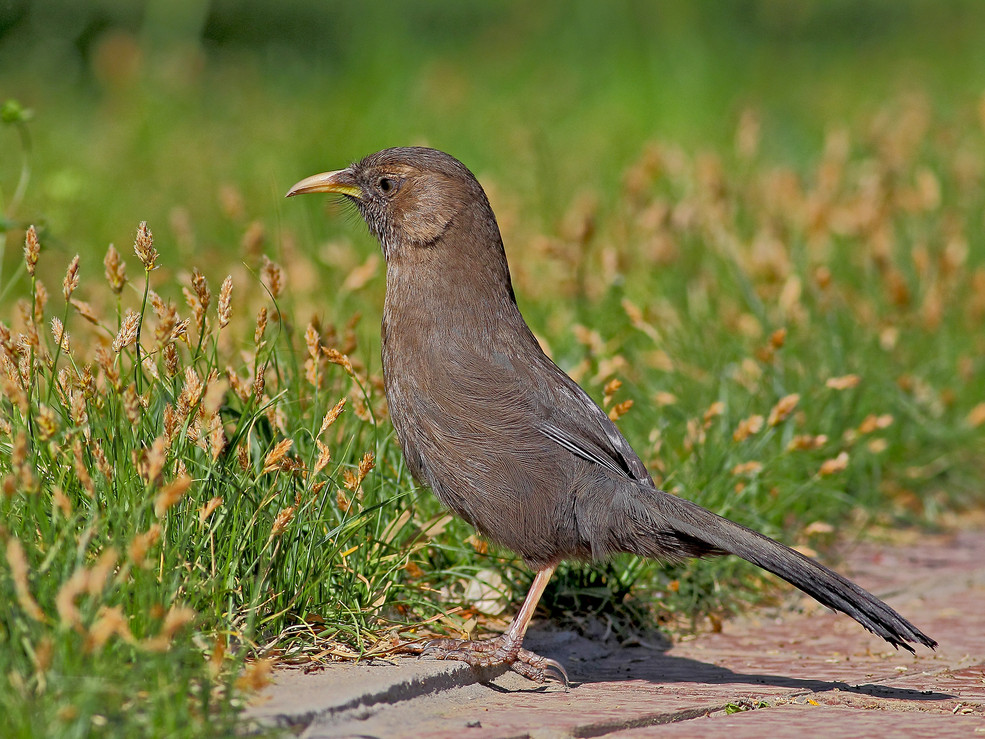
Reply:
x=793, y=672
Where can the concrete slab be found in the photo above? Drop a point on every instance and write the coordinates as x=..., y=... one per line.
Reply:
x=800, y=669
x=298, y=697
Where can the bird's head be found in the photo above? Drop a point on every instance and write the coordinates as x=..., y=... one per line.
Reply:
x=409, y=196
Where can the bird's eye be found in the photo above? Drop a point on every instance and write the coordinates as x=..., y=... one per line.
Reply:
x=386, y=184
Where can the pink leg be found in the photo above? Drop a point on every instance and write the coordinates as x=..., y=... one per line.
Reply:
x=502, y=650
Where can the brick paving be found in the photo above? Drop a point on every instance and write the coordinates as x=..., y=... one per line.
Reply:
x=790, y=672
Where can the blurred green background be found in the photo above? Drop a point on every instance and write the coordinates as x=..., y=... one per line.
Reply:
x=145, y=107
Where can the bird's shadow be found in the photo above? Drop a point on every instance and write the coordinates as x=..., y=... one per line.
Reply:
x=588, y=661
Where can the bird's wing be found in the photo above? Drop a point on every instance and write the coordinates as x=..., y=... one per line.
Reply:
x=574, y=421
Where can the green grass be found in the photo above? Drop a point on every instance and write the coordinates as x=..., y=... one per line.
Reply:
x=722, y=210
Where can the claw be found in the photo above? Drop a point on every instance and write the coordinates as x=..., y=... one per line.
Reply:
x=540, y=669
x=556, y=671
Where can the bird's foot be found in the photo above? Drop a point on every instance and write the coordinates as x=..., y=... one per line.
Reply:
x=502, y=650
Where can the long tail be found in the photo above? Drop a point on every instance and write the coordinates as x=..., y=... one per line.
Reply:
x=699, y=531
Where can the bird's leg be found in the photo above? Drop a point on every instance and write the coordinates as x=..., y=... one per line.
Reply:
x=505, y=649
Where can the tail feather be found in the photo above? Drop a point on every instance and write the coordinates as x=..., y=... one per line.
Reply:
x=702, y=530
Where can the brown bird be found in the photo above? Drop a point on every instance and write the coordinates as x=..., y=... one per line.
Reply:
x=503, y=436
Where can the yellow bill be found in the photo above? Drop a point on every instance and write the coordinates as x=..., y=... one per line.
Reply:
x=340, y=182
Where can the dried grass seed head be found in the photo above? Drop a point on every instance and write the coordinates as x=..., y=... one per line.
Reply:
x=19, y=571
x=273, y=276
x=128, y=331
x=115, y=269
x=71, y=280
x=60, y=336
x=330, y=417
x=783, y=408
x=143, y=246
x=32, y=248
x=201, y=287
x=225, y=301
x=173, y=492
x=261, y=326
x=85, y=310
